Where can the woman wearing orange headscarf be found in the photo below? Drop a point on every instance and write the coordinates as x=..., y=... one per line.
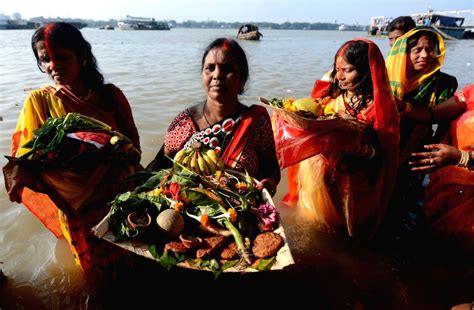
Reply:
x=343, y=180
x=449, y=202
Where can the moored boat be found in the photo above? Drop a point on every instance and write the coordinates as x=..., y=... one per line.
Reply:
x=249, y=32
x=449, y=27
x=7, y=22
x=142, y=23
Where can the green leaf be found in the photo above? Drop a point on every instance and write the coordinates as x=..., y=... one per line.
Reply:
x=264, y=263
x=168, y=261
x=229, y=263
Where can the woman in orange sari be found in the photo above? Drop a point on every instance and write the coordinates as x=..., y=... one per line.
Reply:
x=449, y=202
x=345, y=180
x=242, y=135
x=70, y=202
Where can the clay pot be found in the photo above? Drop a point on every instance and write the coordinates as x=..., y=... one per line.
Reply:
x=139, y=220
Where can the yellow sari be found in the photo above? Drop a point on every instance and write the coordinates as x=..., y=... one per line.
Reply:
x=73, y=202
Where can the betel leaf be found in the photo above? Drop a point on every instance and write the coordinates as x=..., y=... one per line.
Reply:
x=229, y=263
x=262, y=264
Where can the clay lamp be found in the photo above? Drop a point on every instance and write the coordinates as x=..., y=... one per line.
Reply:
x=139, y=219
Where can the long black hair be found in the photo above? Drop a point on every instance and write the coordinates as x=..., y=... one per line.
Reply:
x=235, y=51
x=357, y=54
x=64, y=35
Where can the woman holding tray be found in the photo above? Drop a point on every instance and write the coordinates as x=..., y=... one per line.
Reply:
x=69, y=202
x=344, y=178
x=242, y=135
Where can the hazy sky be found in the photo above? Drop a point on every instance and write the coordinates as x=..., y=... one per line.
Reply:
x=349, y=11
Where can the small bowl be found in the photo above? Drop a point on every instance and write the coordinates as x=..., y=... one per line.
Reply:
x=139, y=219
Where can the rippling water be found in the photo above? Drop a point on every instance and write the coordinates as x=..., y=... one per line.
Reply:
x=159, y=72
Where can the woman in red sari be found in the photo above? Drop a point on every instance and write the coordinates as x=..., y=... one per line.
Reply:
x=242, y=135
x=345, y=180
x=449, y=202
x=67, y=202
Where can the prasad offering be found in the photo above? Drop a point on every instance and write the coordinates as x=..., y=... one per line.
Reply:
x=311, y=114
x=200, y=217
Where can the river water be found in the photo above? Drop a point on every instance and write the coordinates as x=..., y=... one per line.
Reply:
x=159, y=72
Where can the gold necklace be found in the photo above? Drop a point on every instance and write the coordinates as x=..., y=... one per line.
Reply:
x=204, y=113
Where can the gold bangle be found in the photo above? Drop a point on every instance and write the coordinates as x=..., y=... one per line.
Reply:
x=464, y=160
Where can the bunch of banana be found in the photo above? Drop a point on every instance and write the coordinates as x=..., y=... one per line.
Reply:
x=203, y=162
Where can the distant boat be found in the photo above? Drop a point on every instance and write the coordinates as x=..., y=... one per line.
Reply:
x=449, y=27
x=249, y=32
x=6, y=22
x=141, y=23
x=344, y=27
x=107, y=27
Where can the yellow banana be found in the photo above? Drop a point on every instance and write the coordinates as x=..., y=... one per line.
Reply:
x=210, y=164
x=178, y=157
x=202, y=164
x=187, y=160
x=220, y=163
x=194, y=164
x=212, y=155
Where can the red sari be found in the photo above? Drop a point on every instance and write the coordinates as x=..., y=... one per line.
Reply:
x=449, y=202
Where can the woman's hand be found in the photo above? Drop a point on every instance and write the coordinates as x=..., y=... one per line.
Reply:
x=267, y=183
x=439, y=155
x=15, y=180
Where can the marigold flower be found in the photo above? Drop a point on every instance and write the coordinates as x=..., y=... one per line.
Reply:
x=205, y=220
x=241, y=186
x=179, y=206
x=233, y=215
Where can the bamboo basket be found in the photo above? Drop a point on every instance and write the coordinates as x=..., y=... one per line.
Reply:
x=322, y=123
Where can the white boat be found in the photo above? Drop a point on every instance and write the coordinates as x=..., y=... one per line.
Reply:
x=141, y=23
x=344, y=27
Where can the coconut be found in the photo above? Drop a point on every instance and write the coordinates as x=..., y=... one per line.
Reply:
x=171, y=222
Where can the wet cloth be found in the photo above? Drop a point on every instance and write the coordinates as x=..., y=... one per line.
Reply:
x=449, y=204
x=75, y=201
x=351, y=200
x=239, y=139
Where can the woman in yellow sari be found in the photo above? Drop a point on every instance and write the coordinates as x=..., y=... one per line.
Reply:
x=345, y=181
x=69, y=202
x=414, y=68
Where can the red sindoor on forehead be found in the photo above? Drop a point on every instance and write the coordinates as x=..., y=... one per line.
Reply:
x=47, y=41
